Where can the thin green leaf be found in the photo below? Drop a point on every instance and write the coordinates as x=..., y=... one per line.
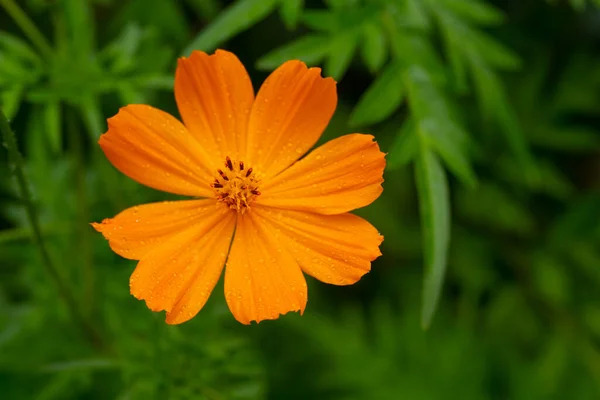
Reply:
x=80, y=26
x=341, y=53
x=416, y=15
x=12, y=71
x=476, y=11
x=311, y=49
x=16, y=46
x=234, y=19
x=129, y=95
x=121, y=52
x=494, y=52
x=374, y=47
x=405, y=146
x=426, y=100
x=290, y=11
x=456, y=58
x=495, y=106
x=92, y=363
x=450, y=143
x=577, y=223
x=434, y=205
x=552, y=180
x=408, y=14
x=565, y=139
x=158, y=82
x=92, y=116
x=166, y=17
x=321, y=21
x=340, y=4
x=206, y=9
x=495, y=207
x=10, y=100
x=475, y=44
x=382, y=98
x=416, y=51
x=53, y=122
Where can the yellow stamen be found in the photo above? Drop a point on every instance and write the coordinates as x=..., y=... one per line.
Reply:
x=236, y=186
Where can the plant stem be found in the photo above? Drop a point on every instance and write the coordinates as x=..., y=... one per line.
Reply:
x=16, y=166
x=27, y=26
x=14, y=234
x=84, y=217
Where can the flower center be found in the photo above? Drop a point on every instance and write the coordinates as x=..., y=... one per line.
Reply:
x=236, y=186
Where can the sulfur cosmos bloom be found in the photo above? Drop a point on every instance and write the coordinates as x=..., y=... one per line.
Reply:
x=259, y=209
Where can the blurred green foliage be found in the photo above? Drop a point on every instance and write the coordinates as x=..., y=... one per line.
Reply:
x=489, y=113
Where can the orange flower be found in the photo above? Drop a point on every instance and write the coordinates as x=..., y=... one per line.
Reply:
x=264, y=214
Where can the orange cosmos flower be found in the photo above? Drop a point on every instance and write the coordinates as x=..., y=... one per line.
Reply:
x=262, y=212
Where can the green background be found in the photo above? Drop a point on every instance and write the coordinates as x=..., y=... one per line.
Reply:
x=489, y=112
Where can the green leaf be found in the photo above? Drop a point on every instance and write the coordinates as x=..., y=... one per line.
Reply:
x=576, y=224
x=17, y=47
x=494, y=52
x=340, y=4
x=476, y=11
x=341, y=53
x=475, y=44
x=80, y=26
x=53, y=123
x=416, y=15
x=13, y=71
x=166, y=17
x=552, y=182
x=121, y=54
x=434, y=206
x=234, y=19
x=425, y=98
x=206, y=9
x=92, y=116
x=311, y=49
x=405, y=146
x=382, y=98
x=493, y=206
x=456, y=58
x=450, y=143
x=565, y=139
x=83, y=364
x=10, y=100
x=408, y=14
x=416, y=52
x=290, y=11
x=374, y=47
x=321, y=21
x=495, y=106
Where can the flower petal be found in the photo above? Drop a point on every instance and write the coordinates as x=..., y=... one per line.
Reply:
x=262, y=280
x=291, y=111
x=154, y=148
x=179, y=274
x=340, y=176
x=136, y=231
x=336, y=249
x=214, y=95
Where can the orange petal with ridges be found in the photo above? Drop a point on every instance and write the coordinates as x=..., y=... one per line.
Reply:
x=335, y=249
x=137, y=230
x=343, y=174
x=214, y=95
x=155, y=149
x=291, y=111
x=262, y=280
x=178, y=275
